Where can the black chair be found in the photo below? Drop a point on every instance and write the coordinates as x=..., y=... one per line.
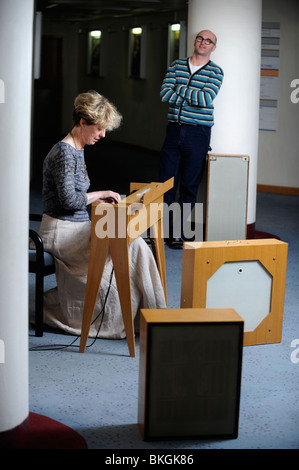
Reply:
x=42, y=264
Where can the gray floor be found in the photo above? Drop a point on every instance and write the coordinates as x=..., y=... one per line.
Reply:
x=96, y=393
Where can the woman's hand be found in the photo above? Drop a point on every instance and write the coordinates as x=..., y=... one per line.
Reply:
x=103, y=196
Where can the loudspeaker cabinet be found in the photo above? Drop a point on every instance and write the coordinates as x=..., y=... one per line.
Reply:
x=246, y=275
x=189, y=373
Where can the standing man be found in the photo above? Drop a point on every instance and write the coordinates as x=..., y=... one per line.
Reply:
x=189, y=87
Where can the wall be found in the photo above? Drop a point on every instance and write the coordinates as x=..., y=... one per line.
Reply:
x=278, y=160
x=144, y=116
x=70, y=34
x=138, y=100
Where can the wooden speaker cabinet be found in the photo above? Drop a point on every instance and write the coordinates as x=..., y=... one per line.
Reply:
x=226, y=200
x=248, y=276
x=190, y=373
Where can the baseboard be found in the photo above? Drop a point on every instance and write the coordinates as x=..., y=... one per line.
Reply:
x=267, y=188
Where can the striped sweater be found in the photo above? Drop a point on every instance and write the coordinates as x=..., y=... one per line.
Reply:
x=190, y=97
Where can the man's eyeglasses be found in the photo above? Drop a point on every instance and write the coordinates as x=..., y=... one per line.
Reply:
x=205, y=40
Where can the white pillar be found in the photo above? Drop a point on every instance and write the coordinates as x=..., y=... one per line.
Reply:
x=237, y=25
x=16, y=32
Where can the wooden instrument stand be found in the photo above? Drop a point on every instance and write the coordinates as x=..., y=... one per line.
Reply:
x=114, y=227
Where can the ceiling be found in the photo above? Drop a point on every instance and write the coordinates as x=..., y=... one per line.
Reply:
x=85, y=10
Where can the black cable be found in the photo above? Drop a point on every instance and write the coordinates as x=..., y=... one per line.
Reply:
x=61, y=347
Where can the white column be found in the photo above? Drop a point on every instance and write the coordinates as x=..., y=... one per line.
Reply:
x=237, y=25
x=16, y=32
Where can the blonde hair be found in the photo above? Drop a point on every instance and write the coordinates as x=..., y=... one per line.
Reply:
x=96, y=109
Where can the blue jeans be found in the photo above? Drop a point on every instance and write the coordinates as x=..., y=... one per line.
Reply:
x=183, y=156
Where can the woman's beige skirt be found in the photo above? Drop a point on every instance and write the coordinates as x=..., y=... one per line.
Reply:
x=69, y=243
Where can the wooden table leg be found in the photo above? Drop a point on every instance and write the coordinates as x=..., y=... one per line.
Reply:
x=119, y=250
x=160, y=253
x=98, y=252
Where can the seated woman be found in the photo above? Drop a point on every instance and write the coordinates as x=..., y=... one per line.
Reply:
x=65, y=230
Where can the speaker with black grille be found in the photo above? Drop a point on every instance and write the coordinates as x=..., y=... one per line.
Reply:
x=190, y=373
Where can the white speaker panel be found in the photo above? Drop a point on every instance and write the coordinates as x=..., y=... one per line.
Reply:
x=226, y=205
x=245, y=286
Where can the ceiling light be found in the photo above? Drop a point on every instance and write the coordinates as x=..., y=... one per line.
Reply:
x=95, y=34
x=136, y=30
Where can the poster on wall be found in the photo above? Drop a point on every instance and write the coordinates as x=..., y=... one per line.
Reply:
x=269, y=76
